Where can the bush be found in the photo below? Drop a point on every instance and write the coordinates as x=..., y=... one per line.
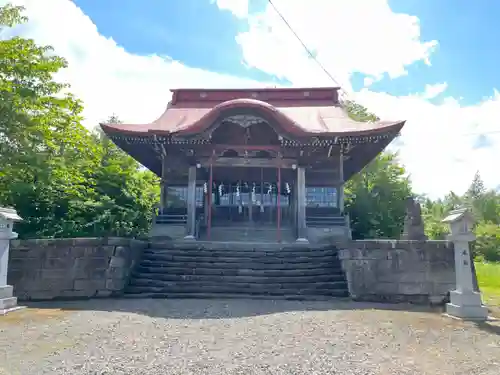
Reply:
x=487, y=245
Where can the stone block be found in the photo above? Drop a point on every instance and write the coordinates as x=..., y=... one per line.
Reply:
x=21, y=295
x=344, y=254
x=89, y=273
x=414, y=288
x=7, y=304
x=104, y=293
x=14, y=277
x=92, y=263
x=52, y=284
x=16, y=263
x=116, y=261
x=94, y=251
x=116, y=272
x=107, y=250
x=6, y=291
x=61, y=263
x=88, y=242
x=76, y=294
x=86, y=284
x=115, y=284
x=41, y=295
x=122, y=251
x=117, y=241
x=137, y=244
x=54, y=274
x=59, y=252
x=385, y=288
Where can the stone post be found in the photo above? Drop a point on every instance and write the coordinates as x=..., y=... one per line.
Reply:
x=7, y=218
x=465, y=303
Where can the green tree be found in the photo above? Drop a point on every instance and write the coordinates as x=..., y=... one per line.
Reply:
x=487, y=245
x=63, y=180
x=476, y=188
x=41, y=138
x=375, y=198
x=126, y=192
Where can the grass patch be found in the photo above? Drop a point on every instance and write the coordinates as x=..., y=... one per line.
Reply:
x=488, y=276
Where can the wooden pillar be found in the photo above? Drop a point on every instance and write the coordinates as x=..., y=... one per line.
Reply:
x=278, y=203
x=191, y=204
x=210, y=183
x=301, y=205
x=294, y=201
x=340, y=192
x=262, y=207
x=163, y=185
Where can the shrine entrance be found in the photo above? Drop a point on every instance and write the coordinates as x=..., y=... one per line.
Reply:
x=251, y=200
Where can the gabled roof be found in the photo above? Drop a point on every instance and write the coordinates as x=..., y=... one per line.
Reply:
x=299, y=112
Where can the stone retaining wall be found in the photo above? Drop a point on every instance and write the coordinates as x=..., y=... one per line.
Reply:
x=376, y=270
x=71, y=268
x=399, y=271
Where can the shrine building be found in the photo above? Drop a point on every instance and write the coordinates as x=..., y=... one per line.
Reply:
x=253, y=164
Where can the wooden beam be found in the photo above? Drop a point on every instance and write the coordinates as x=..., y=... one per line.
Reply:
x=250, y=162
x=221, y=148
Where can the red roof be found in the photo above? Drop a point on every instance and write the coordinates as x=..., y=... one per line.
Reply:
x=301, y=112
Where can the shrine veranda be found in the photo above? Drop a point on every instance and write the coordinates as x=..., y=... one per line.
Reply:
x=253, y=164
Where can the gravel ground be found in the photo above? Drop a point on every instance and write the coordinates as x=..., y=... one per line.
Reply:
x=242, y=337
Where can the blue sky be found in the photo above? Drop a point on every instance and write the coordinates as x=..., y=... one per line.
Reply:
x=199, y=34
x=451, y=108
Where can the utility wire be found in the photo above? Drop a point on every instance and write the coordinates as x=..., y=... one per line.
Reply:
x=312, y=55
x=309, y=52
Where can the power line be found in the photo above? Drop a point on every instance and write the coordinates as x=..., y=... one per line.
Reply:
x=313, y=56
x=309, y=52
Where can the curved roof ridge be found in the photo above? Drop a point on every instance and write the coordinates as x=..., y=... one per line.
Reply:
x=297, y=119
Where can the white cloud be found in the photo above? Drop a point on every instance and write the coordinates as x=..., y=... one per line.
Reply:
x=347, y=36
x=369, y=38
x=238, y=7
x=104, y=75
x=432, y=91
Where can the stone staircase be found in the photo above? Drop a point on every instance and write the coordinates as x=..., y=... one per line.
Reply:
x=237, y=270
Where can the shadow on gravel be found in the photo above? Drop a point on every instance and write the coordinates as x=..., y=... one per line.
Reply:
x=489, y=327
x=219, y=308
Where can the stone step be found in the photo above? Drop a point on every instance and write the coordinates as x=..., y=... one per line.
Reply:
x=291, y=297
x=246, y=264
x=241, y=254
x=238, y=279
x=238, y=289
x=262, y=286
x=235, y=271
x=235, y=246
x=235, y=259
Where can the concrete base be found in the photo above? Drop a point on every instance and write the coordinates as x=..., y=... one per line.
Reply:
x=8, y=303
x=466, y=305
x=302, y=240
x=6, y=291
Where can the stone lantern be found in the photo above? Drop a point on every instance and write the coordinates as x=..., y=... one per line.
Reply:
x=7, y=218
x=465, y=302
